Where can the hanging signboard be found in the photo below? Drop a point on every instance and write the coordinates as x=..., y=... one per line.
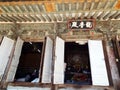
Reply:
x=84, y=24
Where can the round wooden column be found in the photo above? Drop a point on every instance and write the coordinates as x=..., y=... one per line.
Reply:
x=113, y=66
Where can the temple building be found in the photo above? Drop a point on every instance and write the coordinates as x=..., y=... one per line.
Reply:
x=59, y=44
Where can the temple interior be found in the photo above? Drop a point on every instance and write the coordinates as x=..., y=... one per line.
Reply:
x=77, y=64
x=29, y=63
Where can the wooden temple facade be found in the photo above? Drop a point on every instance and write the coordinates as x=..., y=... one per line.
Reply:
x=60, y=44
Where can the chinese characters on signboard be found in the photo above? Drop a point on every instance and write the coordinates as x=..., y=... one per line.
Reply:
x=81, y=24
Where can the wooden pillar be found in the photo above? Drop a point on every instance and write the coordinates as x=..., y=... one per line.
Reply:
x=53, y=87
x=117, y=46
x=113, y=66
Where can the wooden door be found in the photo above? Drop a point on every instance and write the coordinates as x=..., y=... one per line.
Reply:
x=47, y=61
x=97, y=63
x=5, y=51
x=15, y=60
x=59, y=62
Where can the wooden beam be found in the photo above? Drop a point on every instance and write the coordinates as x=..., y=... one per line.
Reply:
x=63, y=7
x=84, y=4
x=99, y=4
x=56, y=5
x=102, y=15
x=114, y=3
x=18, y=8
x=117, y=17
x=42, y=18
x=26, y=18
x=37, y=8
x=37, y=18
x=32, y=18
x=34, y=8
x=82, y=15
x=23, y=18
x=43, y=8
x=68, y=15
x=79, y=15
x=31, y=8
x=8, y=17
x=55, y=15
x=109, y=14
x=63, y=17
x=25, y=8
x=17, y=18
x=52, y=16
x=90, y=14
x=105, y=14
x=77, y=6
x=86, y=14
x=84, y=87
x=114, y=15
x=97, y=14
x=59, y=18
x=92, y=5
x=6, y=9
x=73, y=15
x=3, y=9
x=3, y=18
x=70, y=6
x=13, y=9
x=46, y=17
x=13, y=18
x=106, y=5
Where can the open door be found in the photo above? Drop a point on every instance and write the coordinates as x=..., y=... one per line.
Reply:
x=59, y=62
x=5, y=51
x=97, y=62
x=47, y=62
x=15, y=60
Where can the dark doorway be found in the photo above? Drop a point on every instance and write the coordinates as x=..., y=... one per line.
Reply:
x=29, y=62
x=77, y=64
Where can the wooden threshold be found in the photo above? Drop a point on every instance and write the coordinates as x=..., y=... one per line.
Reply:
x=28, y=84
x=85, y=87
x=60, y=86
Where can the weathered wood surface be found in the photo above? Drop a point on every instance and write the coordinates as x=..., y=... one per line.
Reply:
x=83, y=87
x=33, y=86
x=26, y=88
x=113, y=67
x=60, y=88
